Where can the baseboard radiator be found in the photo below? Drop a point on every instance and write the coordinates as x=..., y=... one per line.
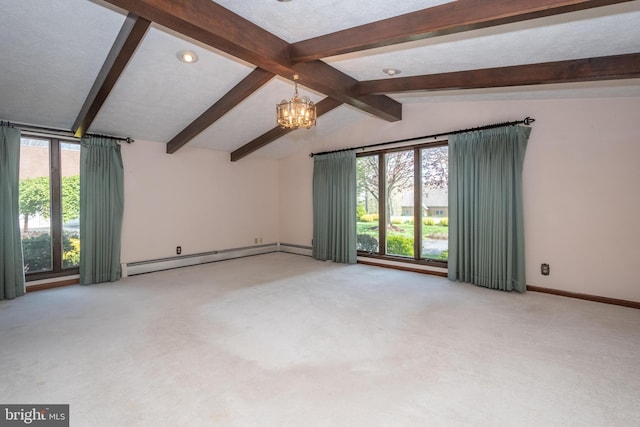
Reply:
x=295, y=249
x=142, y=267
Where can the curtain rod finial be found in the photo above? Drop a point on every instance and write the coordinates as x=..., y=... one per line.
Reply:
x=528, y=120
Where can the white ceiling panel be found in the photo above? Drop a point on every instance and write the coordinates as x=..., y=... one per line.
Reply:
x=300, y=20
x=52, y=52
x=602, y=89
x=158, y=95
x=252, y=117
x=329, y=124
x=597, y=32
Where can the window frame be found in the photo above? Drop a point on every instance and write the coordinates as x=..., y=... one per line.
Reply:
x=55, y=191
x=417, y=170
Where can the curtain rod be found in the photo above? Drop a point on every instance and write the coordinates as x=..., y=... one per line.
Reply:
x=527, y=121
x=62, y=132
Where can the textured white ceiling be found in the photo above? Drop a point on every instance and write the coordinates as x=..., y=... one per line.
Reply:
x=603, y=89
x=51, y=54
x=603, y=31
x=159, y=95
x=57, y=48
x=237, y=128
x=303, y=19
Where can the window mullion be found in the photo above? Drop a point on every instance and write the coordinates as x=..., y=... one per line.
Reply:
x=56, y=210
x=382, y=204
x=417, y=203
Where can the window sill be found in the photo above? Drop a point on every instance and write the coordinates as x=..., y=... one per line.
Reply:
x=438, y=268
x=53, y=282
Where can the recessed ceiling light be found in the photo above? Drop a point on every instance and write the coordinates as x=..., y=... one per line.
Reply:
x=283, y=1
x=391, y=71
x=187, y=56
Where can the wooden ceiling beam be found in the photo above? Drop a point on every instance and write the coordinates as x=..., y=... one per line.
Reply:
x=129, y=38
x=220, y=28
x=322, y=107
x=591, y=69
x=448, y=18
x=577, y=70
x=325, y=79
x=254, y=81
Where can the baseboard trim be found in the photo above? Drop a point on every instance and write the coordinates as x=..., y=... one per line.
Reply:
x=594, y=298
x=143, y=267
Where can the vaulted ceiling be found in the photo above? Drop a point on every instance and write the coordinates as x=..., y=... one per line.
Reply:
x=111, y=66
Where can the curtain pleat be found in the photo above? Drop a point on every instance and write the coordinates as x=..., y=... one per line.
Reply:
x=101, y=210
x=334, y=207
x=11, y=261
x=486, y=228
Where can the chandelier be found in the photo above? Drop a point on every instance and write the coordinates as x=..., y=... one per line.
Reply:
x=296, y=113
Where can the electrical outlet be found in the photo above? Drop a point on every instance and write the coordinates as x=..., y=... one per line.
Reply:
x=178, y=250
x=260, y=238
x=255, y=240
x=544, y=269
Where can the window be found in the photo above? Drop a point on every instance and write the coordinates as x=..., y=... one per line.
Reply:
x=402, y=212
x=435, y=201
x=399, y=194
x=49, y=206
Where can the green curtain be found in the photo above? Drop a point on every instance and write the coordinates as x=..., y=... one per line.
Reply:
x=486, y=230
x=11, y=263
x=101, y=210
x=334, y=207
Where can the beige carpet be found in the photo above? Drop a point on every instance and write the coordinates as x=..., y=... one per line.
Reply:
x=284, y=340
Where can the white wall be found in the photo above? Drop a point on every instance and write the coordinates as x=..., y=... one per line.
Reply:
x=582, y=207
x=296, y=205
x=197, y=199
x=581, y=183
